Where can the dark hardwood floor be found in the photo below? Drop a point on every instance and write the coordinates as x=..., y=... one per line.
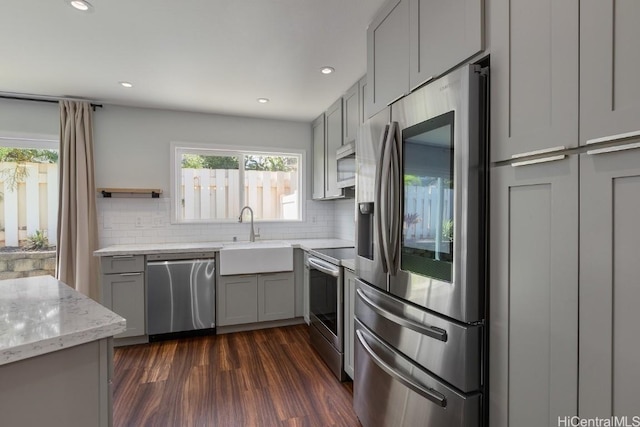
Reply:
x=270, y=377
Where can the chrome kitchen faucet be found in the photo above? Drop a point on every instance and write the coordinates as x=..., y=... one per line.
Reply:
x=252, y=233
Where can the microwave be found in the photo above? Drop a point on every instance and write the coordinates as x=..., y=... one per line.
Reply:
x=346, y=162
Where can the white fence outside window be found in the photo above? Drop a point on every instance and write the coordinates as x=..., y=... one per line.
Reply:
x=215, y=194
x=31, y=206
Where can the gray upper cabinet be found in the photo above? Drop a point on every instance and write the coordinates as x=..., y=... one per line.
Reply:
x=333, y=142
x=318, y=146
x=609, y=63
x=364, y=90
x=534, y=294
x=534, y=75
x=351, y=114
x=443, y=34
x=388, y=55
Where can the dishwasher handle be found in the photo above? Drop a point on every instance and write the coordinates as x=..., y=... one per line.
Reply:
x=182, y=261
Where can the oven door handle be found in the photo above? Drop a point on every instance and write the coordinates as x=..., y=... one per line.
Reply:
x=428, y=330
x=324, y=267
x=428, y=393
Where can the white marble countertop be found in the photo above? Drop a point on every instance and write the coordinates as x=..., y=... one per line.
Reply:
x=39, y=315
x=158, y=248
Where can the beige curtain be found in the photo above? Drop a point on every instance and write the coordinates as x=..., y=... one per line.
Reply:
x=77, y=218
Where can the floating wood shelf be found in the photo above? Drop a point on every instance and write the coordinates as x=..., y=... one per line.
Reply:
x=108, y=192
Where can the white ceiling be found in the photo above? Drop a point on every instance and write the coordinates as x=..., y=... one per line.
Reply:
x=214, y=56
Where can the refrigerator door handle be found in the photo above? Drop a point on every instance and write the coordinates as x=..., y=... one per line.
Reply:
x=394, y=199
x=428, y=330
x=430, y=394
x=380, y=205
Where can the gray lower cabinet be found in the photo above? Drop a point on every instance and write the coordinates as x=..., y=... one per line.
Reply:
x=534, y=294
x=123, y=291
x=349, y=327
x=254, y=298
x=237, y=301
x=534, y=75
x=609, y=291
x=305, y=290
x=65, y=388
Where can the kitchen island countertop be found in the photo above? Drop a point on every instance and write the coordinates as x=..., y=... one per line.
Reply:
x=40, y=315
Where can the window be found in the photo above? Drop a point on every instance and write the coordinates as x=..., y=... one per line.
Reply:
x=213, y=184
x=28, y=204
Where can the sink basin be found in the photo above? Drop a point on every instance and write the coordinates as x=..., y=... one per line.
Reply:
x=255, y=257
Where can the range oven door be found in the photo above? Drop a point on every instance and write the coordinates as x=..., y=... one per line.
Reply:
x=435, y=252
x=325, y=300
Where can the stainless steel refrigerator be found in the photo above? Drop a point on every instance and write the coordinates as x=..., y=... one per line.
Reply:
x=421, y=257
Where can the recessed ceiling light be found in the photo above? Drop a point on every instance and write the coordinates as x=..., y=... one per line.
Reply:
x=81, y=5
x=126, y=84
x=263, y=100
x=327, y=70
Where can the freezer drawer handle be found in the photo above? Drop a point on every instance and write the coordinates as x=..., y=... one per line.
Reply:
x=431, y=331
x=437, y=398
x=130, y=274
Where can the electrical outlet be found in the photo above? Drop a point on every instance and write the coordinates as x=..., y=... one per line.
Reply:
x=157, y=220
x=314, y=219
x=139, y=222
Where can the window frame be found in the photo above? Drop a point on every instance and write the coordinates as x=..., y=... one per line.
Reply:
x=212, y=149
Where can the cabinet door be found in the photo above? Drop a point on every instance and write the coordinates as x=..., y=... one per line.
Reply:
x=534, y=75
x=349, y=327
x=364, y=94
x=318, y=147
x=609, y=63
x=237, y=300
x=444, y=33
x=305, y=290
x=609, y=291
x=276, y=296
x=388, y=55
x=334, y=141
x=534, y=294
x=124, y=295
x=351, y=114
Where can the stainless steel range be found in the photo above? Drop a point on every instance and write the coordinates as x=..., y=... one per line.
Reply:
x=326, y=305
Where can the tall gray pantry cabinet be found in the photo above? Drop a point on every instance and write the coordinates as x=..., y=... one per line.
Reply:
x=564, y=245
x=609, y=209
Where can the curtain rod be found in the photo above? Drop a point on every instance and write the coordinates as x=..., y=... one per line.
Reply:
x=43, y=99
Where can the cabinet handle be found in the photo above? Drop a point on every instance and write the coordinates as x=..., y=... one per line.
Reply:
x=613, y=149
x=122, y=256
x=130, y=274
x=612, y=138
x=546, y=159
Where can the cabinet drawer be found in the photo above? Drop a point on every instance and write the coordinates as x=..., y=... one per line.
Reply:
x=122, y=264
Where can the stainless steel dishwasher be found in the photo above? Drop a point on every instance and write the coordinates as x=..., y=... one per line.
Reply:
x=180, y=294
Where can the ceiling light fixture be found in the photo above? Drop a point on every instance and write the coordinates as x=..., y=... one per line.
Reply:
x=327, y=70
x=263, y=100
x=126, y=84
x=81, y=5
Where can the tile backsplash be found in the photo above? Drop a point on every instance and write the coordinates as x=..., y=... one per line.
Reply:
x=141, y=221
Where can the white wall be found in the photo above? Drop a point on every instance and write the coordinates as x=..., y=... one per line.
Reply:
x=29, y=118
x=132, y=144
x=132, y=150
